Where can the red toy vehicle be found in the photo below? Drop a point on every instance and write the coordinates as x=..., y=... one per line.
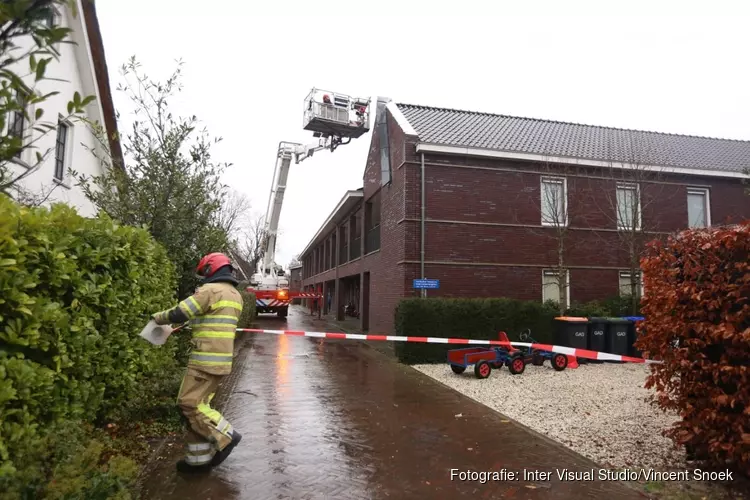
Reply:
x=485, y=359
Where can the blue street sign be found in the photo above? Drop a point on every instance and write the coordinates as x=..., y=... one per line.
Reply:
x=422, y=284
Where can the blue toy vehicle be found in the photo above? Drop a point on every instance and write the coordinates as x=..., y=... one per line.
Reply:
x=537, y=357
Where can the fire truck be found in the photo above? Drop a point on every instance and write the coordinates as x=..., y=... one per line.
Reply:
x=334, y=119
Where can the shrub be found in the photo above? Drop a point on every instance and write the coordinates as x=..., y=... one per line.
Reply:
x=466, y=318
x=75, y=293
x=89, y=473
x=248, y=309
x=591, y=309
x=616, y=306
x=698, y=322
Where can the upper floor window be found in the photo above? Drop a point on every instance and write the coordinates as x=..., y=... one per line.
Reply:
x=628, y=207
x=61, y=149
x=48, y=16
x=698, y=207
x=554, y=201
x=385, y=150
x=372, y=223
x=17, y=123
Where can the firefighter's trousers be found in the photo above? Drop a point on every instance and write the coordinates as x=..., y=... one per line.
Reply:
x=208, y=431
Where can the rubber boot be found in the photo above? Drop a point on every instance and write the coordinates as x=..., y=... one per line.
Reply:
x=223, y=454
x=185, y=468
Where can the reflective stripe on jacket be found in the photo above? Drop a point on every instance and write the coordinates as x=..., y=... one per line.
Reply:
x=214, y=312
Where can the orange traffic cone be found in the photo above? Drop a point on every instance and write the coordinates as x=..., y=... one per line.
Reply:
x=572, y=362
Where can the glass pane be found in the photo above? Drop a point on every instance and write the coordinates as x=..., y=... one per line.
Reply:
x=552, y=202
x=550, y=288
x=625, y=285
x=696, y=210
x=626, y=207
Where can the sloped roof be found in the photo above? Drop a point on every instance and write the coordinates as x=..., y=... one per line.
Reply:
x=243, y=266
x=96, y=45
x=470, y=129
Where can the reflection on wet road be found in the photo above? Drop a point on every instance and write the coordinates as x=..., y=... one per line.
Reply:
x=333, y=419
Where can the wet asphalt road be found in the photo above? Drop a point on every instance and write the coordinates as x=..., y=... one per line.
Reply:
x=335, y=419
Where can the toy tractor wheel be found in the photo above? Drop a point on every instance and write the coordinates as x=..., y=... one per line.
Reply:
x=559, y=362
x=537, y=359
x=516, y=365
x=482, y=369
x=458, y=370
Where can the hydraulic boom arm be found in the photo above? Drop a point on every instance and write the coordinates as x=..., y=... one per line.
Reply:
x=286, y=152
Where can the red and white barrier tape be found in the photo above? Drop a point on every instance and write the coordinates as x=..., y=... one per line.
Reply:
x=570, y=351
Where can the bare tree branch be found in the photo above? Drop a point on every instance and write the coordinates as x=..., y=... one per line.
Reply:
x=550, y=193
x=631, y=194
x=252, y=237
x=234, y=214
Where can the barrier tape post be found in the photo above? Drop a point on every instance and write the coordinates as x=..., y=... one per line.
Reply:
x=569, y=351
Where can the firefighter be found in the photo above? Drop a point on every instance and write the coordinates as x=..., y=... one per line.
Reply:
x=213, y=311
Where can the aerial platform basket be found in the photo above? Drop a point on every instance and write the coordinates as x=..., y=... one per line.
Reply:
x=329, y=114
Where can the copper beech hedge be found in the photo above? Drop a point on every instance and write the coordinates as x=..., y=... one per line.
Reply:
x=697, y=309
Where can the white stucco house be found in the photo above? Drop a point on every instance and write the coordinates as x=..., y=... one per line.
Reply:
x=83, y=67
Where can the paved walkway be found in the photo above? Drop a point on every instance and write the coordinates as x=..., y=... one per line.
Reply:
x=335, y=419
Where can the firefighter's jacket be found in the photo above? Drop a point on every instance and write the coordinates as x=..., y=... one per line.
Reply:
x=214, y=312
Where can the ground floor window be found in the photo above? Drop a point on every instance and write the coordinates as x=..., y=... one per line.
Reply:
x=551, y=286
x=625, y=283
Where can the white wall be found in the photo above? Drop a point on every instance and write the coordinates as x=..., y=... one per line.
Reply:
x=75, y=67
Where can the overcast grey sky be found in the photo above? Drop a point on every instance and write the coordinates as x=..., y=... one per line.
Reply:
x=670, y=66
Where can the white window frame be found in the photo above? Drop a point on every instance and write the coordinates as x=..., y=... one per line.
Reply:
x=69, y=143
x=625, y=275
x=27, y=155
x=552, y=272
x=706, y=193
x=55, y=19
x=563, y=181
x=628, y=186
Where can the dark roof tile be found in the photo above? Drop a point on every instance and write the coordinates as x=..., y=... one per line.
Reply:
x=452, y=127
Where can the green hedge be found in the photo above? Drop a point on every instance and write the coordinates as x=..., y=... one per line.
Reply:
x=466, y=318
x=248, y=309
x=613, y=306
x=74, y=294
x=482, y=319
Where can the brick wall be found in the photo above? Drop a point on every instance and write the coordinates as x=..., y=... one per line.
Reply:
x=295, y=280
x=483, y=230
x=484, y=236
x=386, y=266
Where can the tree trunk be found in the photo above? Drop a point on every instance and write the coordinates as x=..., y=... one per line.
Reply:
x=562, y=277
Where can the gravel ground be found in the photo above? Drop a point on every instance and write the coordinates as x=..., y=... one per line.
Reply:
x=598, y=410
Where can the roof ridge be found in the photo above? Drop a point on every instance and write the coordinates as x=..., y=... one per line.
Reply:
x=485, y=113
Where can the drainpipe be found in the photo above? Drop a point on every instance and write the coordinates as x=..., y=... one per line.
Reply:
x=424, y=291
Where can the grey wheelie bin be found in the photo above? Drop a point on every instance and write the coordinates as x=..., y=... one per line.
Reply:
x=617, y=336
x=633, y=335
x=597, y=335
x=572, y=332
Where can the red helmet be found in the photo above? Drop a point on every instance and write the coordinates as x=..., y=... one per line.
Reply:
x=212, y=263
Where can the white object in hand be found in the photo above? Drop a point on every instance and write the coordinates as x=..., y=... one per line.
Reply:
x=156, y=334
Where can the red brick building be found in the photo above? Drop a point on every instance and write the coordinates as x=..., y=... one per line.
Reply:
x=295, y=277
x=507, y=203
